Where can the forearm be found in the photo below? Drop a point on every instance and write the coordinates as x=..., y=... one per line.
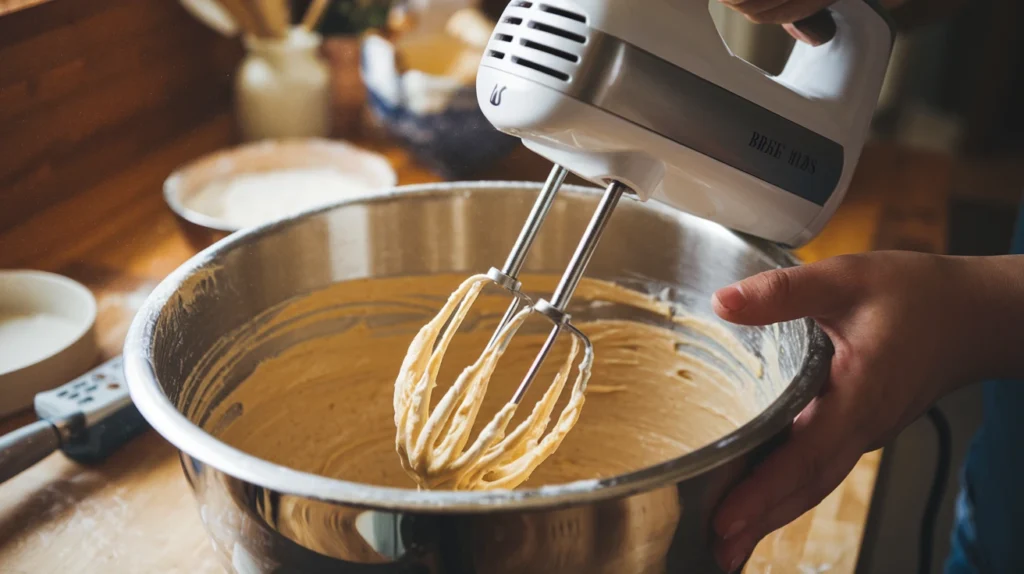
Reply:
x=991, y=309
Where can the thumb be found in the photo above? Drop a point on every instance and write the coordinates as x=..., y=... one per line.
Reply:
x=815, y=290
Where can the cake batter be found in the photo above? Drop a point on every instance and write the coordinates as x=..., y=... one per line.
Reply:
x=310, y=384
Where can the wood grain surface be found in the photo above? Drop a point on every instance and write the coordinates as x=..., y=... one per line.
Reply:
x=88, y=88
x=135, y=514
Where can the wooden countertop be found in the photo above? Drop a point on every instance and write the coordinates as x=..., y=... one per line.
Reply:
x=135, y=513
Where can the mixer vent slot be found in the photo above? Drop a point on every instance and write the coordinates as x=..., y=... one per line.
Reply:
x=513, y=20
x=496, y=54
x=540, y=68
x=563, y=13
x=549, y=50
x=503, y=37
x=557, y=32
x=522, y=4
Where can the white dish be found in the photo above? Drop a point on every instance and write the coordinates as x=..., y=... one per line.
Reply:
x=257, y=183
x=47, y=335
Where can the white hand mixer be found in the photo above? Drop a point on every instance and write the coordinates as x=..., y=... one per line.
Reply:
x=644, y=98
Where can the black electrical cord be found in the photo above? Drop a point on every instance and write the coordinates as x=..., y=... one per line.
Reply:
x=931, y=509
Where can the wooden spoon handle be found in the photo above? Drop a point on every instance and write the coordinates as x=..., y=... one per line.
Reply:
x=313, y=14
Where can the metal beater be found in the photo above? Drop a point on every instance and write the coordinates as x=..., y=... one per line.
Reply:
x=554, y=310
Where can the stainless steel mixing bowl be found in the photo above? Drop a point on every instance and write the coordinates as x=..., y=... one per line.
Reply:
x=265, y=518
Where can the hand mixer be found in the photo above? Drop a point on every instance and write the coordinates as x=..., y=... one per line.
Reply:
x=645, y=99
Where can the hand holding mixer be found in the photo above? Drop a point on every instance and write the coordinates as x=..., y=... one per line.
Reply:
x=645, y=99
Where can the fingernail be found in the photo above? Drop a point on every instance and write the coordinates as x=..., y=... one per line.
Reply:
x=731, y=298
x=734, y=529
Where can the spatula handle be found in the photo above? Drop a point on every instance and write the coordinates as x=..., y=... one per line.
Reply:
x=26, y=446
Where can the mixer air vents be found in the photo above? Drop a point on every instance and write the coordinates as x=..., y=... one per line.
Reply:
x=540, y=68
x=563, y=13
x=558, y=32
x=540, y=37
x=549, y=50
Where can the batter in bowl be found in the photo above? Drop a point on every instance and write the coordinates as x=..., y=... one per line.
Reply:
x=309, y=384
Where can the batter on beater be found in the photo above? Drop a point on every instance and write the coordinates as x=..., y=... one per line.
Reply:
x=431, y=445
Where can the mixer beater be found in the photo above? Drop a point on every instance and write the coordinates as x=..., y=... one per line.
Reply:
x=432, y=445
x=555, y=310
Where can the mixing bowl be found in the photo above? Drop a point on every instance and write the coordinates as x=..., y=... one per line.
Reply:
x=262, y=517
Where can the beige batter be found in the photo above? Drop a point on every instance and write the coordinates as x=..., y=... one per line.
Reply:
x=326, y=404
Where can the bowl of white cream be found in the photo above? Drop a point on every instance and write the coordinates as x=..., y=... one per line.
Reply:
x=47, y=335
x=258, y=183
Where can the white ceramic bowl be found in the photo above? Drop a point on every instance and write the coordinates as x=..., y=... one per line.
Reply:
x=370, y=173
x=47, y=335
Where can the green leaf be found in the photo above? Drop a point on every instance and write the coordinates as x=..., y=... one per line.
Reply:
x=353, y=17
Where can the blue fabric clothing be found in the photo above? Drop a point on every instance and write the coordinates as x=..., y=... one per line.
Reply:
x=988, y=535
x=963, y=557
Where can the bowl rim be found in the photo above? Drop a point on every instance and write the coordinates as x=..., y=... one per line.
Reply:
x=193, y=441
x=83, y=297
x=173, y=188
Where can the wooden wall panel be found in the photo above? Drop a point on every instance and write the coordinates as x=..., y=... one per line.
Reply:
x=88, y=87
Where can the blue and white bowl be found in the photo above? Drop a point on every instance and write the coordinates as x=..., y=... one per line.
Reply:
x=436, y=117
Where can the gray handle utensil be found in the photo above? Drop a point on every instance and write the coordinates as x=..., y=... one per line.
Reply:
x=87, y=419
